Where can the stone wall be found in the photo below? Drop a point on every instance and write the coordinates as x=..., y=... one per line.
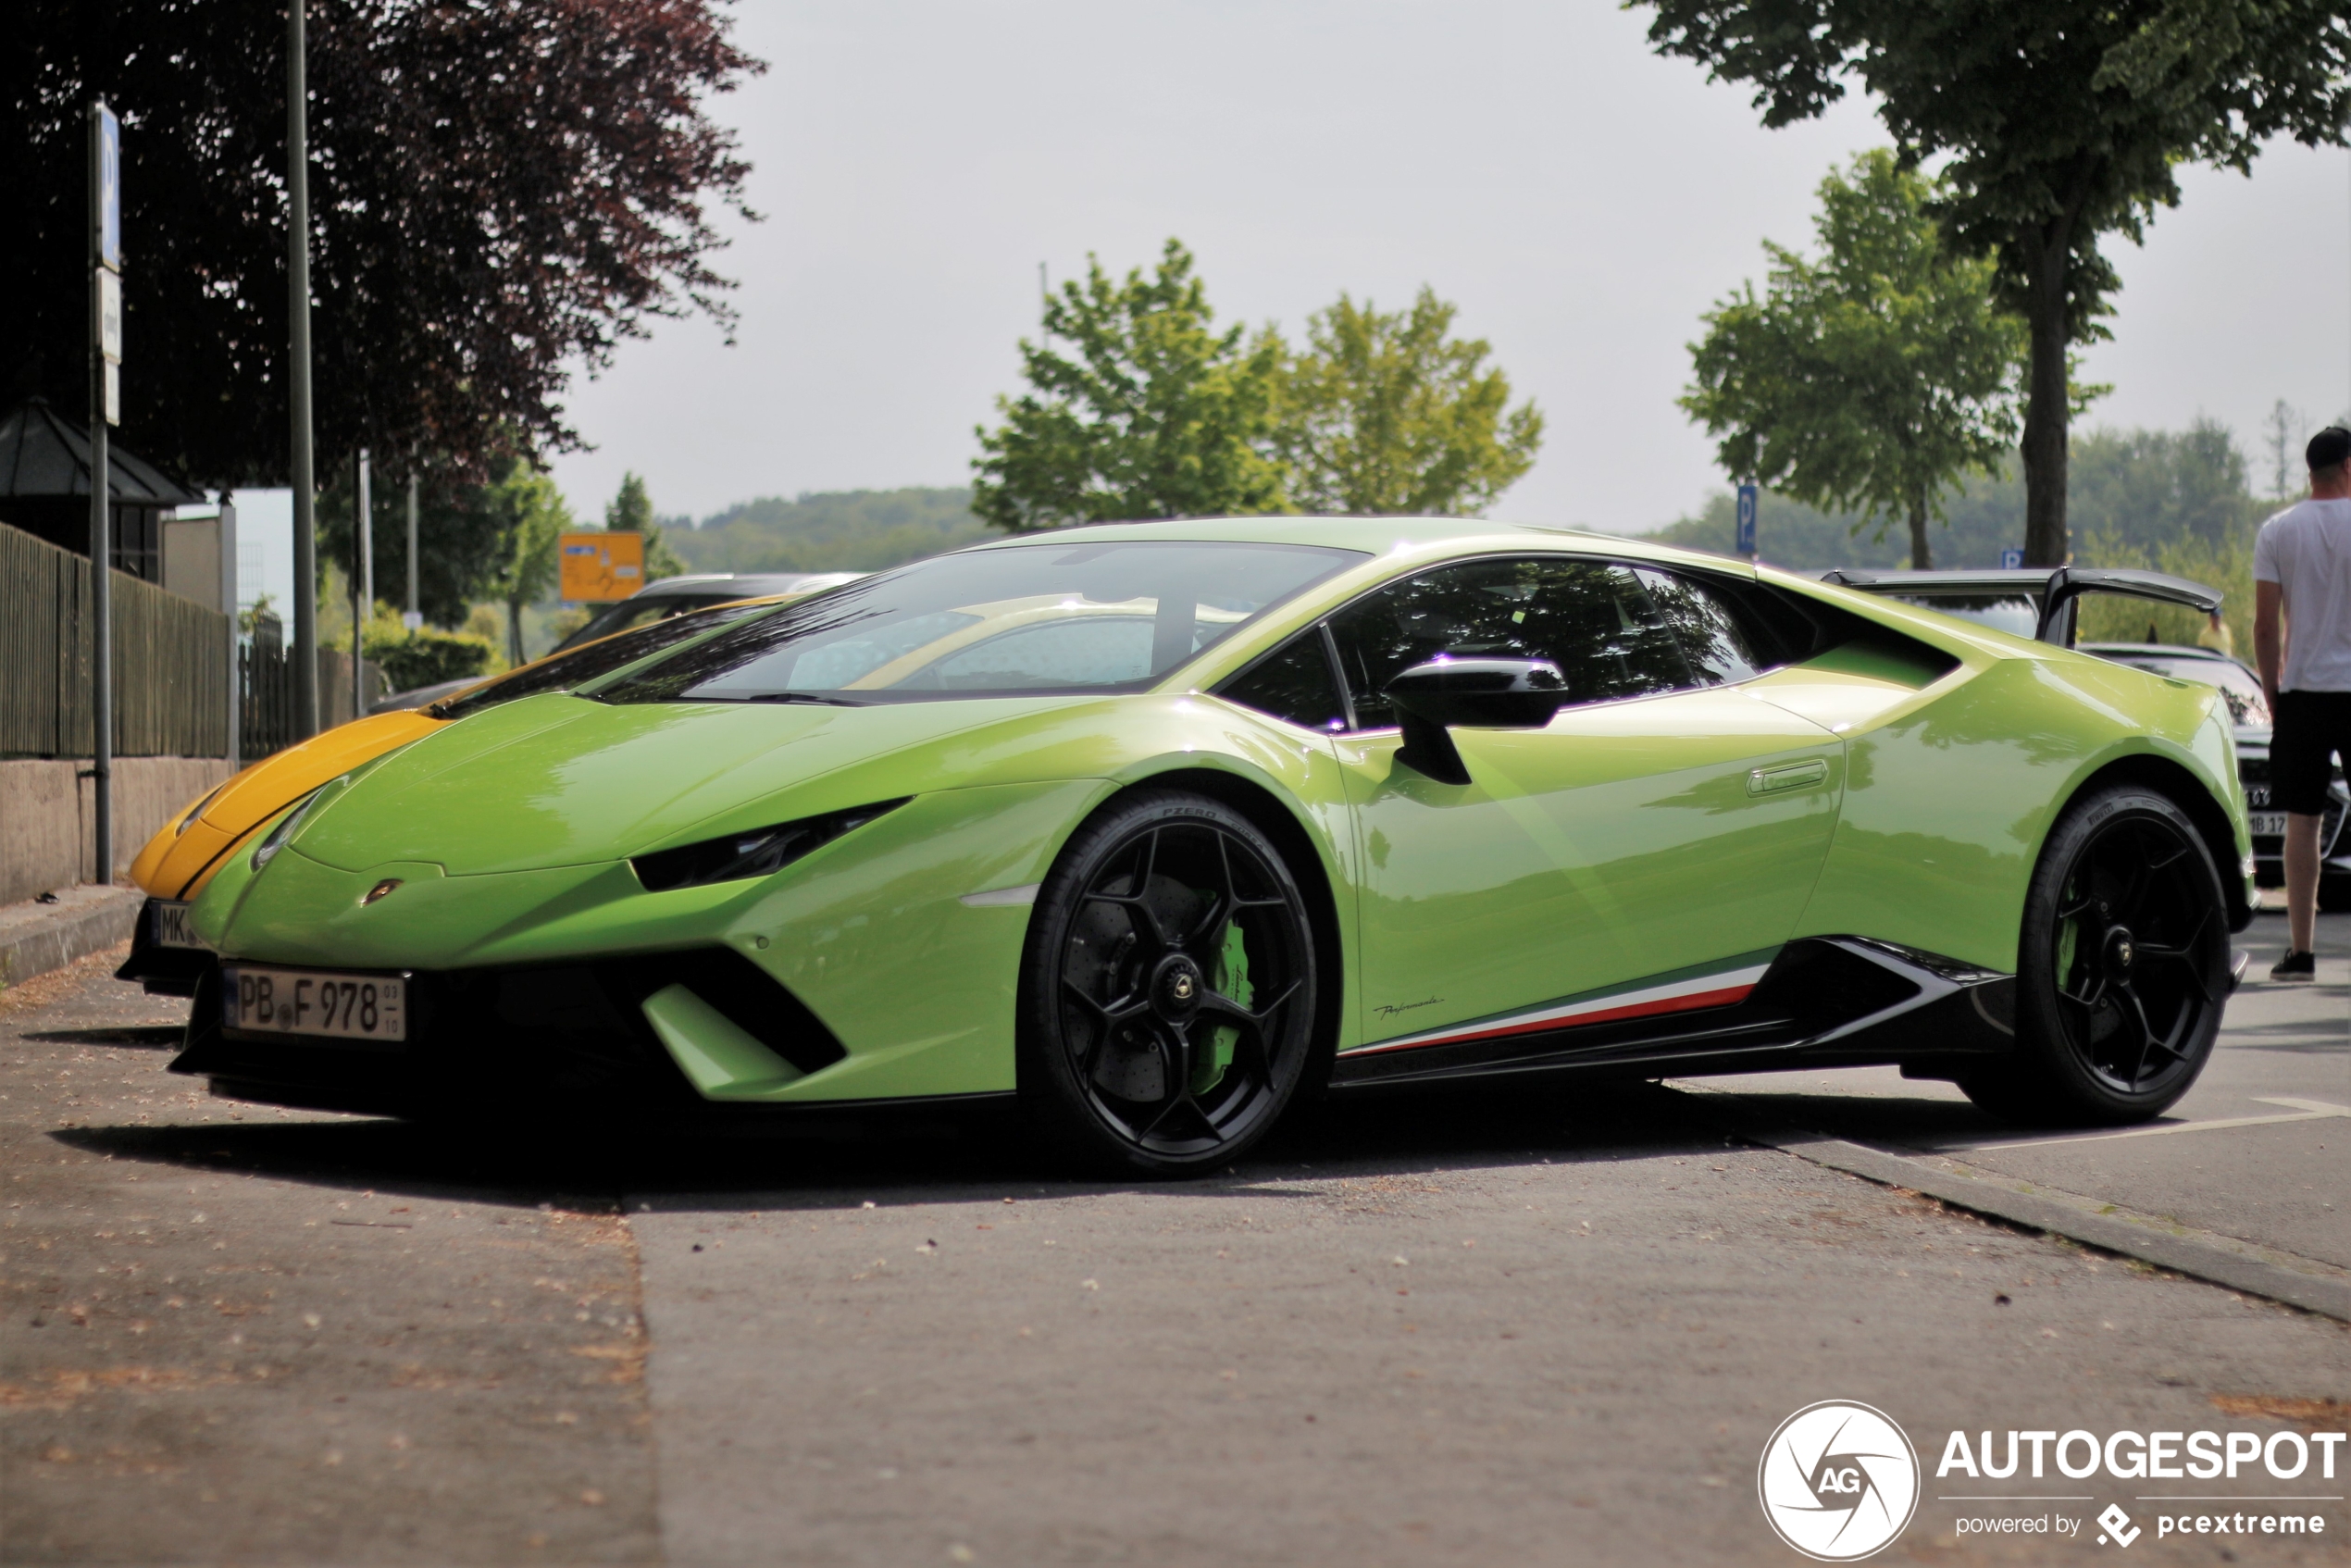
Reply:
x=46, y=812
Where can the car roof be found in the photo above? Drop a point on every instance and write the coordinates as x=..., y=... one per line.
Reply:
x=1377, y=536
x=740, y=585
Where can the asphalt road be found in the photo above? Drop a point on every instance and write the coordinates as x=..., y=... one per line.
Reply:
x=2260, y=1148
x=1517, y=1328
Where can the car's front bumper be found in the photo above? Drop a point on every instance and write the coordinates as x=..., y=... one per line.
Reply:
x=636, y=1034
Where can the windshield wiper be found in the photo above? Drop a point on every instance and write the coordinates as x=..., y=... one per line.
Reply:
x=802, y=696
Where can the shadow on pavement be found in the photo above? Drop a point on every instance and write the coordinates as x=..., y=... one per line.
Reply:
x=1862, y=1118
x=834, y=1162
x=138, y=1037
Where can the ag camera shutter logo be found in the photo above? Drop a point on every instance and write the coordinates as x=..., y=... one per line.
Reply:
x=1838, y=1481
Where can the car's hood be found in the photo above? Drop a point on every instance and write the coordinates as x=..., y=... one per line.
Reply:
x=560, y=780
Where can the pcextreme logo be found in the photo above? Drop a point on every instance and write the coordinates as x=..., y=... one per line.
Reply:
x=1838, y=1480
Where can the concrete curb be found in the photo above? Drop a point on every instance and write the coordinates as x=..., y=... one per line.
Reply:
x=2268, y=1272
x=37, y=938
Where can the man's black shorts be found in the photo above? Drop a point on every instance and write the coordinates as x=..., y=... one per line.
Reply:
x=2310, y=727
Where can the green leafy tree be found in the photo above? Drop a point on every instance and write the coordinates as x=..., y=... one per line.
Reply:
x=1871, y=379
x=2141, y=490
x=858, y=531
x=462, y=548
x=2053, y=123
x=1388, y=414
x=633, y=508
x=529, y=515
x=1152, y=413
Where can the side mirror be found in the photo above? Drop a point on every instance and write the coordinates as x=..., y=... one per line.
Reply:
x=1446, y=694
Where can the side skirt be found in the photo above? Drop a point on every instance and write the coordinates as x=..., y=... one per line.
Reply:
x=1827, y=1001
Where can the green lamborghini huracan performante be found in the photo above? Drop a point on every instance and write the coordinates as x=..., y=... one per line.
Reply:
x=1161, y=826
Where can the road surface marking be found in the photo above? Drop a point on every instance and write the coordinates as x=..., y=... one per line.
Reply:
x=2305, y=1111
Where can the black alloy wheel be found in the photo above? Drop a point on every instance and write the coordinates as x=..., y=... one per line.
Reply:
x=1168, y=992
x=2123, y=968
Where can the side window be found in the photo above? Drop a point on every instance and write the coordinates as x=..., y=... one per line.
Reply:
x=1293, y=682
x=1594, y=619
x=1718, y=651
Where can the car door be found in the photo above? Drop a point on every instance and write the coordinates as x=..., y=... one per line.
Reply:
x=1660, y=836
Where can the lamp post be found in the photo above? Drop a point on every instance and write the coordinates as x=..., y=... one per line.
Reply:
x=415, y=616
x=106, y=353
x=363, y=580
x=305, y=519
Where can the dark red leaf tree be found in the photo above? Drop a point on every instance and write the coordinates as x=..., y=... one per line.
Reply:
x=500, y=191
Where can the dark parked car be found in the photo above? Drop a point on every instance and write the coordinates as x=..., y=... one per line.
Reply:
x=2242, y=688
x=655, y=601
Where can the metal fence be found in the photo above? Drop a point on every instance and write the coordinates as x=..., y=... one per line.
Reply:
x=171, y=661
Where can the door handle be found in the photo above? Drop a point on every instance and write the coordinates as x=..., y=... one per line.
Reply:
x=1788, y=775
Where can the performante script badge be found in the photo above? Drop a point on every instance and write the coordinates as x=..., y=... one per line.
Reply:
x=1838, y=1481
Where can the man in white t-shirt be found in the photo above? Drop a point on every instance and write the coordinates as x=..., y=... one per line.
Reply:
x=2302, y=637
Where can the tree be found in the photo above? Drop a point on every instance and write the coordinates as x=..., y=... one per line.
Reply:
x=632, y=509
x=461, y=535
x=859, y=531
x=500, y=190
x=1385, y=415
x=1153, y=414
x=1871, y=379
x=2054, y=124
x=529, y=515
x=2283, y=433
x=2152, y=488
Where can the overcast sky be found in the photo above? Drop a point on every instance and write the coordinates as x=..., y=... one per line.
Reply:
x=1580, y=199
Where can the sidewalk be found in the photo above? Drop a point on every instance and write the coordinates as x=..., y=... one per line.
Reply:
x=36, y=938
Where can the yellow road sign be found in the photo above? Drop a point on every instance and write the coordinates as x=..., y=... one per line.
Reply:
x=602, y=565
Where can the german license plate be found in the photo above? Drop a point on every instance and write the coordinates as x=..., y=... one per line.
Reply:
x=167, y=925
x=310, y=1002
x=2265, y=824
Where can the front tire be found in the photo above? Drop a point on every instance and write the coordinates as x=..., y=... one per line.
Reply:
x=1169, y=989
x=2123, y=967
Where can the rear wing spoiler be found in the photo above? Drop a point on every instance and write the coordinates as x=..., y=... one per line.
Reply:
x=2056, y=588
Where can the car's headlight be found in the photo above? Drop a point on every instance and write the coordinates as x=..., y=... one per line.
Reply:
x=267, y=851
x=755, y=852
x=193, y=812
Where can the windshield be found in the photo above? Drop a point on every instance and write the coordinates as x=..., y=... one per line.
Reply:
x=562, y=671
x=2248, y=709
x=1032, y=619
x=2019, y=615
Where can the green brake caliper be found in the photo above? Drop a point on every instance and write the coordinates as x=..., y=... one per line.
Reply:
x=1229, y=979
x=2068, y=942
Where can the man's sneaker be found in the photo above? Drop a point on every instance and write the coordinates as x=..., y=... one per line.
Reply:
x=2296, y=967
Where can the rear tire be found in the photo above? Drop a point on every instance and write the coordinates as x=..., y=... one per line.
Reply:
x=1168, y=989
x=2123, y=967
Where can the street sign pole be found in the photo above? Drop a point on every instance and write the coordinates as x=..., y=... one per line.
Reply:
x=229, y=600
x=363, y=580
x=305, y=518
x=414, y=617
x=1749, y=495
x=105, y=351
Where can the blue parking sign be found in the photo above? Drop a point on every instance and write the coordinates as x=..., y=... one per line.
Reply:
x=109, y=189
x=2011, y=558
x=1747, y=494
